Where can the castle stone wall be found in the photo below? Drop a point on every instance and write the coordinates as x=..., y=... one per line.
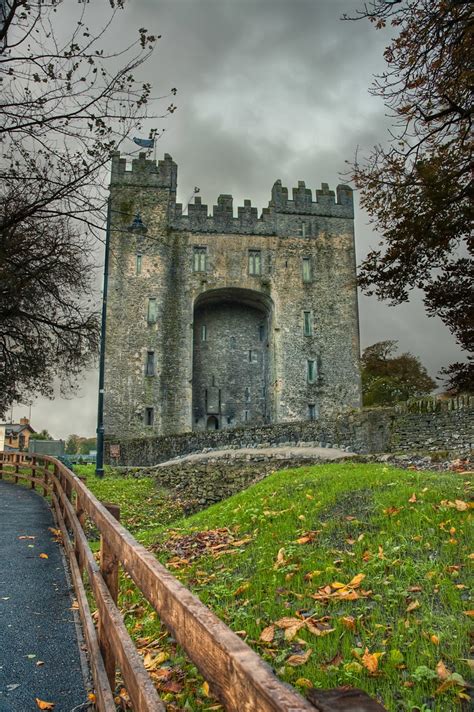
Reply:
x=423, y=426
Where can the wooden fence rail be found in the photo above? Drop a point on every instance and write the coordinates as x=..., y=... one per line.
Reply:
x=242, y=681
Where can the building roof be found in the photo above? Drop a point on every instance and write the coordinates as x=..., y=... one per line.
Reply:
x=16, y=428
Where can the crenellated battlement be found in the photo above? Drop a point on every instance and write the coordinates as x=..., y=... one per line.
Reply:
x=144, y=172
x=300, y=216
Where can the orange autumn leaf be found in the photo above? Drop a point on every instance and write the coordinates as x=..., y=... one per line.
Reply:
x=442, y=671
x=44, y=556
x=356, y=581
x=371, y=661
x=469, y=613
x=267, y=634
x=92, y=697
x=434, y=639
x=205, y=689
x=291, y=631
x=42, y=705
x=412, y=498
x=240, y=589
x=348, y=622
x=413, y=606
x=295, y=660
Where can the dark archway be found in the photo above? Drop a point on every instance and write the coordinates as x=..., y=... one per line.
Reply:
x=232, y=358
x=212, y=423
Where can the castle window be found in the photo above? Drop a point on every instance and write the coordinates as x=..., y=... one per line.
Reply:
x=152, y=312
x=203, y=332
x=246, y=415
x=199, y=259
x=311, y=371
x=150, y=363
x=255, y=262
x=307, y=323
x=312, y=411
x=149, y=416
x=307, y=275
x=261, y=332
x=138, y=264
x=252, y=356
x=247, y=393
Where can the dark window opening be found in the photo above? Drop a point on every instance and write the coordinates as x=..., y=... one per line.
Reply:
x=150, y=363
x=312, y=411
x=138, y=264
x=307, y=324
x=311, y=371
x=261, y=332
x=149, y=416
x=203, y=332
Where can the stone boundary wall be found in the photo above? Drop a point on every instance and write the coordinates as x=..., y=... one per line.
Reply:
x=426, y=425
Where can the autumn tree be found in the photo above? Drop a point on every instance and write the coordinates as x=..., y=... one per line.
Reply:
x=418, y=187
x=66, y=102
x=387, y=378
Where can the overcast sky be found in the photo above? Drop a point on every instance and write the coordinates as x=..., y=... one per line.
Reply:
x=267, y=89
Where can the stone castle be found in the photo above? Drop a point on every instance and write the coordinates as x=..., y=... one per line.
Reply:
x=216, y=321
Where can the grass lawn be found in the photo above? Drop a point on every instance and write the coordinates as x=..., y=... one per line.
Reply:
x=335, y=574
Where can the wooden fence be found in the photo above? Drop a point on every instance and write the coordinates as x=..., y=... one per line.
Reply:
x=241, y=680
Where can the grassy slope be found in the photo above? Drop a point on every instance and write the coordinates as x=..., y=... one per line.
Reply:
x=424, y=546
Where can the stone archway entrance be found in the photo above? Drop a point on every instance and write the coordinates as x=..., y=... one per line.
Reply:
x=212, y=423
x=232, y=359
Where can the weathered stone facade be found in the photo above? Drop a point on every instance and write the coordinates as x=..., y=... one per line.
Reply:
x=215, y=322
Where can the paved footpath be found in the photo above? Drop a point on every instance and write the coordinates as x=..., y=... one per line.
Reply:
x=36, y=620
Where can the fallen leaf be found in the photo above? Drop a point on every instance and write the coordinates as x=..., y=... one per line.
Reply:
x=26, y=537
x=469, y=613
x=280, y=559
x=287, y=622
x=413, y=606
x=243, y=587
x=291, y=631
x=303, y=681
x=92, y=697
x=39, y=663
x=442, y=671
x=434, y=639
x=412, y=498
x=205, y=689
x=371, y=661
x=44, y=705
x=460, y=505
x=267, y=634
x=348, y=622
x=44, y=556
x=151, y=662
x=295, y=660
x=355, y=582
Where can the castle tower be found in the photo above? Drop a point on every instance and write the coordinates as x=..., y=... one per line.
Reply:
x=216, y=321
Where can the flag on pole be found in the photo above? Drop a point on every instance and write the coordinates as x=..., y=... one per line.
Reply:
x=144, y=142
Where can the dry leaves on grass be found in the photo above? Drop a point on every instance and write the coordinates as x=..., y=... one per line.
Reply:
x=458, y=504
x=338, y=590
x=188, y=548
x=292, y=626
x=299, y=658
x=308, y=537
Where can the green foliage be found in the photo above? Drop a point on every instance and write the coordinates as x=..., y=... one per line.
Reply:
x=387, y=379
x=43, y=435
x=417, y=187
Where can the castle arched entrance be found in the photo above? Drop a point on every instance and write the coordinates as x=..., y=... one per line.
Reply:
x=212, y=423
x=232, y=359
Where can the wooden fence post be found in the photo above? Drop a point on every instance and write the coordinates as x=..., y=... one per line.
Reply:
x=109, y=571
x=45, y=477
x=33, y=472
x=81, y=516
